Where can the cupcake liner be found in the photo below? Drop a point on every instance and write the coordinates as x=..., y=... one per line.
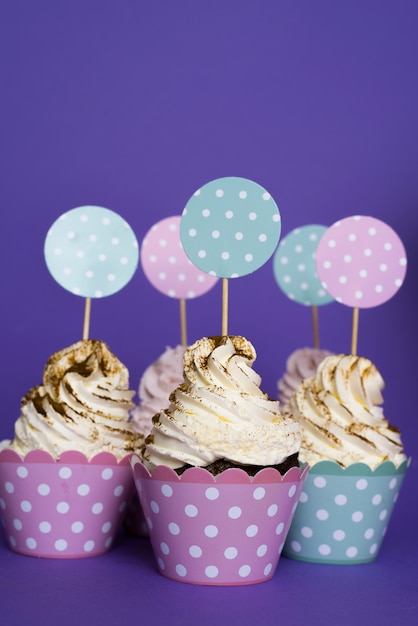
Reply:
x=65, y=508
x=217, y=530
x=343, y=514
x=135, y=522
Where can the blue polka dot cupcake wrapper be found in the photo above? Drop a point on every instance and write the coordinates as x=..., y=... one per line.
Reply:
x=342, y=515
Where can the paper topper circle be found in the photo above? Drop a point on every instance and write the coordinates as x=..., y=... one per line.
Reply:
x=361, y=261
x=230, y=227
x=167, y=266
x=91, y=251
x=295, y=269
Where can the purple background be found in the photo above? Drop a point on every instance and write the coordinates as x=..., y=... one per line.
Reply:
x=133, y=105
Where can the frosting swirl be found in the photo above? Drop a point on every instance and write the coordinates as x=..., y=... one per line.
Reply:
x=83, y=404
x=341, y=417
x=219, y=412
x=300, y=364
x=156, y=385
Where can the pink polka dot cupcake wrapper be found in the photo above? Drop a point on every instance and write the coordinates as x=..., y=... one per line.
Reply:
x=343, y=514
x=69, y=508
x=223, y=530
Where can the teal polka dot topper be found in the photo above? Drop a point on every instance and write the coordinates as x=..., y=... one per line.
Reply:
x=91, y=251
x=230, y=227
x=295, y=269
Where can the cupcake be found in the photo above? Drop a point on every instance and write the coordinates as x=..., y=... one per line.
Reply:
x=65, y=476
x=301, y=364
x=156, y=384
x=357, y=463
x=219, y=477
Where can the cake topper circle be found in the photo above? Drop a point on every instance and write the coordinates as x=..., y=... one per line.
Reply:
x=91, y=251
x=294, y=266
x=230, y=227
x=167, y=266
x=361, y=261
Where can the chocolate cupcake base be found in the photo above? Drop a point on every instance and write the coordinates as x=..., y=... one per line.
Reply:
x=223, y=464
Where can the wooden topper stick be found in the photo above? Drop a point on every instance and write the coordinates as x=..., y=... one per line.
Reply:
x=315, y=324
x=183, y=324
x=354, y=335
x=86, y=326
x=224, y=307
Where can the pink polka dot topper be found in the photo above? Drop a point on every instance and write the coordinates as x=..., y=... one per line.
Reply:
x=167, y=266
x=361, y=261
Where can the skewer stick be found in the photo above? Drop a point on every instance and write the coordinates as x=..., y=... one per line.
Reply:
x=354, y=335
x=224, y=307
x=183, y=324
x=315, y=324
x=86, y=326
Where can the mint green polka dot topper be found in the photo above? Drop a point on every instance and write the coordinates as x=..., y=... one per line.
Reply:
x=91, y=251
x=230, y=227
x=294, y=266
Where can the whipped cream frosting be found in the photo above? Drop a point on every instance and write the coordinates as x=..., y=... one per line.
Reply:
x=156, y=385
x=83, y=404
x=341, y=417
x=301, y=364
x=219, y=412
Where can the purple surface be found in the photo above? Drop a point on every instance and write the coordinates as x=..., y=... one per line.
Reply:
x=132, y=106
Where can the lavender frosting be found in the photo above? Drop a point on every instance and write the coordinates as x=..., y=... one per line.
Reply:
x=155, y=387
x=301, y=364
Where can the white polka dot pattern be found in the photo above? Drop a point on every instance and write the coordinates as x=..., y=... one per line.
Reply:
x=91, y=251
x=295, y=269
x=342, y=518
x=230, y=227
x=361, y=261
x=215, y=535
x=62, y=511
x=167, y=266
